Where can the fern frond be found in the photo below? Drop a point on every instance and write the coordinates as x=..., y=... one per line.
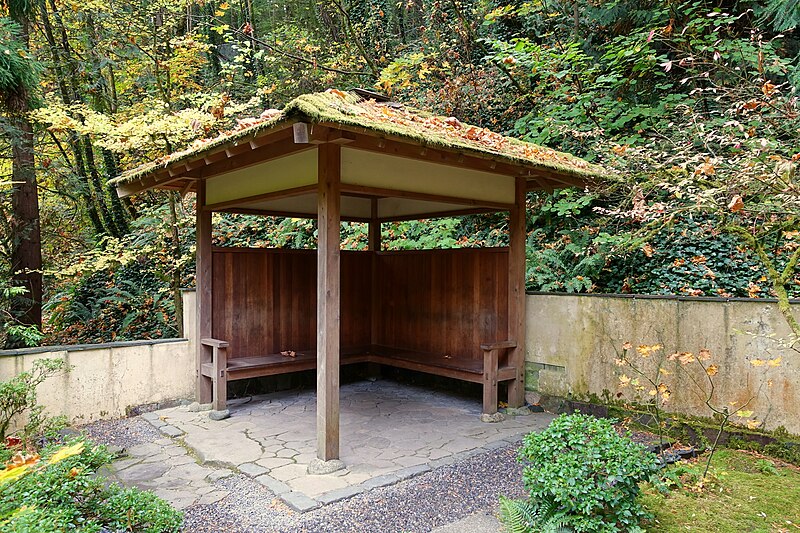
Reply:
x=527, y=516
x=516, y=515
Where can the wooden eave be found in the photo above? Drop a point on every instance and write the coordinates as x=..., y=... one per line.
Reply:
x=294, y=135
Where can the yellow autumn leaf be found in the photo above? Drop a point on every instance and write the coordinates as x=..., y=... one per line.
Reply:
x=774, y=362
x=65, y=453
x=624, y=380
x=744, y=414
x=338, y=93
x=12, y=474
x=753, y=424
x=665, y=395
x=224, y=5
x=683, y=357
x=664, y=372
x=758, y=362
x=712, y=370
x=646, y=350
x=652, y=392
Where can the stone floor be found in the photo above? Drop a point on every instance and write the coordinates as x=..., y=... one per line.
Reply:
x=389, y=432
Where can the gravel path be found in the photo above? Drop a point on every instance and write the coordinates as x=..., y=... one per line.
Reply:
x=419, y=504
x=125, y=432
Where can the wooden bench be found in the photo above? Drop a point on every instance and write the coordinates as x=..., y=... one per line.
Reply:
x=493, y=369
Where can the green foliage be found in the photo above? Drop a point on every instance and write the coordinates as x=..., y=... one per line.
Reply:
x=119, y=302
x=18, y=398
x=414, y=235
x=123, y=288
x=655, y=90
x=61, y=492
x=680, y=258
x=742, y=498
x=589, y=471
x=766, y=467
x=19, y=72
x=782, y=15
x=694, y=106
x=563, y=252
x=527, y=516
x=781, y=448
x=10, y=326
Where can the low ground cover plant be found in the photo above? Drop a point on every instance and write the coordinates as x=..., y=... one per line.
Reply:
x=582, y=476
x=746, y=492
x=49, y=484
x=60, y=491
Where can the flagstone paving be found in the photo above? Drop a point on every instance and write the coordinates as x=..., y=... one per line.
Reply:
x=390, y=432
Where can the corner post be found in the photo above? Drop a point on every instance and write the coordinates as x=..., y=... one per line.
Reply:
x=203, y=280
x=374, y=369
x=516, y=293
x=374, y=248
x=328, y=300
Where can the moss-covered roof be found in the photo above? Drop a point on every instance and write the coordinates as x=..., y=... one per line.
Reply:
x=346, y=109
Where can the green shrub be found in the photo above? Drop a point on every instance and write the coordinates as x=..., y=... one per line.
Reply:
x=18, y=398
x=61, y=492
x=586, y=474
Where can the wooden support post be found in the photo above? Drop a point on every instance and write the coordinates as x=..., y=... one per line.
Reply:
x=374, y=369
x=374, y=227
x=328, y=300
x=516, y=293
x=204, y=303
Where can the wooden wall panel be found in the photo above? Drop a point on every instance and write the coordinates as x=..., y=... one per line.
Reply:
x=265, y=300
x=443, y=301
x=438, y=301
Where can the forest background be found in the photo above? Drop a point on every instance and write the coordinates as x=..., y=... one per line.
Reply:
x=691, y=104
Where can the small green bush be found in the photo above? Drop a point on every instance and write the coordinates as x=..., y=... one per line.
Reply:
x=18, y=398
x=61, y=492
x=586, y=475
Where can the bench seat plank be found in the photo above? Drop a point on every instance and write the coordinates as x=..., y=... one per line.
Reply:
x=455, y=367
x=425, y=359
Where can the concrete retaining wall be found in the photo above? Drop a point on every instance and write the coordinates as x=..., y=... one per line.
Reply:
x=107, y=380
x=573, y=341
x=572, y=344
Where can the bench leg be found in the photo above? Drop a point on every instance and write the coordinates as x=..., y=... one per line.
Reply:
x=219, y=396
x=220, y=393
x=205, y=384
x=490, y=382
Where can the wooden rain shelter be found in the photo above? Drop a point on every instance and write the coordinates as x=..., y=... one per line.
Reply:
x=338, y=156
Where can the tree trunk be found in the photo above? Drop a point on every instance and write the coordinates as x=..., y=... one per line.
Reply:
x=26, y=247
x=176, y=271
